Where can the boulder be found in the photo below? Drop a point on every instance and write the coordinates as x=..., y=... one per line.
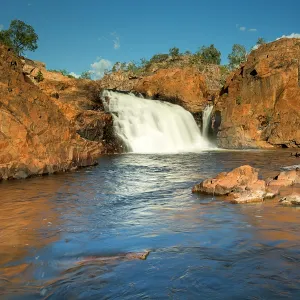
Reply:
x=291, y=200
x=285, y=178
x=241, y=185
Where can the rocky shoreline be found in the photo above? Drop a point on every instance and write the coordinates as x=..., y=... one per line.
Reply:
x=242, y=185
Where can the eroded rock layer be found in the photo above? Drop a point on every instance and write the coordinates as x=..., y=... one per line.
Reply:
x=35, y=135
x=260, y=102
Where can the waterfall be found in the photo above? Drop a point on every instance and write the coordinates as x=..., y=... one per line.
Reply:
x=152, y=126
x=206, y=118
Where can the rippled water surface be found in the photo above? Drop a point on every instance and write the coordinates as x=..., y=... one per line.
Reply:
x=52, y=228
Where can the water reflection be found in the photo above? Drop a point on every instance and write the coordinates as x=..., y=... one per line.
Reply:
x=199, y=245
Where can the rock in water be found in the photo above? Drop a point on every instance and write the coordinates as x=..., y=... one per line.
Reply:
x=241, y=185
x=292, y=200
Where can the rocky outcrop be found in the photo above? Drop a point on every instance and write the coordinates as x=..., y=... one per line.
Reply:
x=292, y=200
x=79, y=101
x=185, y=87
x=260, y=102
x=241, y=185
x=35, y=136
x=179, y=84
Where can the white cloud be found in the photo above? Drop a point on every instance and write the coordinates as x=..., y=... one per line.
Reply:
x=116, y=40
x=99, y=67
x=255, y=47
x=252, y=30
x=291, y=36
x=242, y=28
x=74, y=74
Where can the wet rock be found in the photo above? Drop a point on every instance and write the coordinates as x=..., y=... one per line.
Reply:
x=291, y=200
x=110, y=259
x=286, y=178
x=241, y=185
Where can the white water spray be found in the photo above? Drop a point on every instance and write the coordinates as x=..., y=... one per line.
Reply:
x=151, y=126
x=206, y=117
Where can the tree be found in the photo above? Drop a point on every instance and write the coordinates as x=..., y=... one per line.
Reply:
x=86, y=75
x=237, y=56
x=174, y=52
x=210, y=55
x=19, y=36
x=261, y=41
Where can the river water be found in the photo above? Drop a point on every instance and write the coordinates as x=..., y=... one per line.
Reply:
x=200, y=247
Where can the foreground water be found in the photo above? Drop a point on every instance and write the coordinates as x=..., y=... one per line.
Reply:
x=200, y=247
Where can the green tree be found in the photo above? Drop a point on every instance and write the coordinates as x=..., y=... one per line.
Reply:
x=116, y=67
x=156, y=58
x=210, y=55
x=86, y=75
x=19, y=36
x=261, y=41
x=237, y=56
x=174, y=52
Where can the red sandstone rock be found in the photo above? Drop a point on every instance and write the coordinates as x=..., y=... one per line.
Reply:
x=241, y=185
x=35, y=136
x=260, y=102
x=291, y=200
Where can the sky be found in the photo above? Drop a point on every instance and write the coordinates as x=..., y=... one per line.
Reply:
x=82, y=35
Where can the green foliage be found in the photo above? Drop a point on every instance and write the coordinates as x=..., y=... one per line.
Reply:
x=157, y=58
x=39, y=76
x=71, y=76
x=19, y=36
x=174, y=52
x=86, y=75
x=237, y=56
x=261, y=41
x=187, y=52
x=238, y=100
x=224, y=71
x=197, y=61
x=210, y=55
x=116, y=67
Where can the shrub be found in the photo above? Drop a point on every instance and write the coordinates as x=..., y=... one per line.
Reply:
x=39, y=76
x=210, y=55
x=238, y=100
x=174, y=52
x=156, y=58
x=86, y=75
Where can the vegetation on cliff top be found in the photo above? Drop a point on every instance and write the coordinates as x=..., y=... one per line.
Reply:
x=20, y=37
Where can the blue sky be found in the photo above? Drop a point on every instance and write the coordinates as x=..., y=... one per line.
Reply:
x=74, y=35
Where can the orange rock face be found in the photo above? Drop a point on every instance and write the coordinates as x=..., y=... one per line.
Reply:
x=185, y=87
x=35, y=136
x=260, y=102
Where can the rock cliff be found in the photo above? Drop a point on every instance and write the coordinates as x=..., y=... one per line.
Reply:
x=260, y=102
x=35, y=135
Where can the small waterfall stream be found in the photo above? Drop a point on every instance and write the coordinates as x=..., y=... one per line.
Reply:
x=151, y=126
x=206, y=118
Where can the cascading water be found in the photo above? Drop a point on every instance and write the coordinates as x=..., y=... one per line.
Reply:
x=206, y=118
x=151, y=126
